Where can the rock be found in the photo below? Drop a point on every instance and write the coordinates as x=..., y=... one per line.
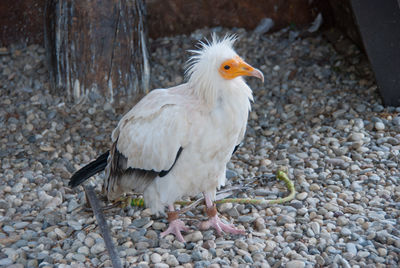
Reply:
x=184, y=258
x=316, y=228
x=138, y=223
x=72, y=205
x=5, y=262
x=283, y=219
x=4, y=205
x=83, y=250
x=260, y=224
x=245, y=219
x=161, y=265
x=264, y=26
x=97, y=248
x=159, y=225
x=351, y=248
x=172, y=261
x=11, y=253
x=155, y=258
x=20, y=225
x=209, y=244
x=379, y=126
x=302, y=196
x=225, y=207
x=79, y=257
x=345, y=231
x=295, y=264
x=75, y=225
x=233, y=212
x=270, y=246
x=194, y=236
x=231, y=174
x=382, y=252
x=60, y=233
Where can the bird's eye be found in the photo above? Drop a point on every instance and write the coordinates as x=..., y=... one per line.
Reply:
x=227, y=67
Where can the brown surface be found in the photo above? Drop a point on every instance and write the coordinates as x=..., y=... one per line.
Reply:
x=100, y=56
x=22, y=21
x=183, y=16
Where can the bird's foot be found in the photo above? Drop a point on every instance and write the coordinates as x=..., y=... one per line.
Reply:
x=216, y=223
x=175, y=226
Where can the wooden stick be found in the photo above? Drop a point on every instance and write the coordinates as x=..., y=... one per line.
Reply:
x=97, y=211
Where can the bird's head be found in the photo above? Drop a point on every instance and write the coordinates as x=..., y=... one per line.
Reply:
x=215, y=64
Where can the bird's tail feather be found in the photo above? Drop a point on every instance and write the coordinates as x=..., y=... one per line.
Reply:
x=89, y=170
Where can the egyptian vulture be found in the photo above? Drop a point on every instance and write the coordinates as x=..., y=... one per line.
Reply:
x=177, y=141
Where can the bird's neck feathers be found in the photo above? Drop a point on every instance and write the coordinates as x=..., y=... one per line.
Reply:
x=204, y=78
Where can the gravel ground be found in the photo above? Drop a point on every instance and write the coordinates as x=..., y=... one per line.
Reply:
x=318, y=115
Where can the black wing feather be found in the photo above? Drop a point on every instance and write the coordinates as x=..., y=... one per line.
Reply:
x=89, y=170
x=235, y=149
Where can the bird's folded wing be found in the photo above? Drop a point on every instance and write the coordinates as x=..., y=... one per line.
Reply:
x=152, y=140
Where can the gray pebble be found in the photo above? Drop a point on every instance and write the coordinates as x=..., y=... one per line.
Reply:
x=5, y=262
x=184, y=258
x=351, y=248
x=283, y=219
x=295, y=264
x=97, y=248
x=138, y=223
x=246, y=219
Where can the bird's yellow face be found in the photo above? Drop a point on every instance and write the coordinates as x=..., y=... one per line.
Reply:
x=235, y=67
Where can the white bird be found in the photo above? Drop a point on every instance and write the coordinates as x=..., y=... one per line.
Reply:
x=177, y=141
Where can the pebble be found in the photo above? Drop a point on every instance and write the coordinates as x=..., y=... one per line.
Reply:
x=260, y=224
x=161, y=265
x=172, y=261
x=382, y=252
x=5, y=262
x=302, y=196
x=20, y=225
x=379, y=126
x=194, y=237
x=184, y=258
x=245, y=219
x=283, y=219
x=155, y=258
x=315, y=227
x=138, y=223
x=270, y=246
x=79, y=257
x=225, y=207
x=295, y=264
x=322, y=123
x=97, y=248
x=345, y=231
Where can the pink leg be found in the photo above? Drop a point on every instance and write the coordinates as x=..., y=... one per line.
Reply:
x=175, y=225
x=215, y=222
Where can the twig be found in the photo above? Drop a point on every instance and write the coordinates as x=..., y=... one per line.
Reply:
x=281, y=175
x=97, y=211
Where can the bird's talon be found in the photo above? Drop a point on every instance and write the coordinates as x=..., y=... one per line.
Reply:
x=219, y=226
x=175, y=227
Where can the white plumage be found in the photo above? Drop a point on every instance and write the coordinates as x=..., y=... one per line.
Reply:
x=177, y=141
x=206, y=117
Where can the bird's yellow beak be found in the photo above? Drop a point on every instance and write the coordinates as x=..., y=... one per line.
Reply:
x=235, y=67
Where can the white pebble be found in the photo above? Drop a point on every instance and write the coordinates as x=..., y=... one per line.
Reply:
x=155, y=258
x=379, y=126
